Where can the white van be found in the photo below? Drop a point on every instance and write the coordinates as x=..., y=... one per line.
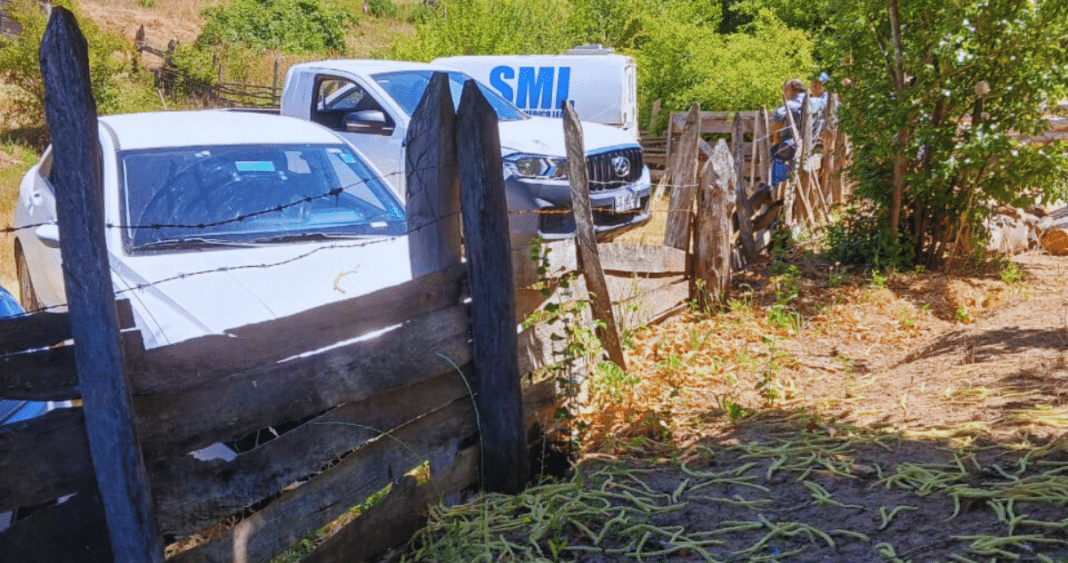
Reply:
x=602, y=84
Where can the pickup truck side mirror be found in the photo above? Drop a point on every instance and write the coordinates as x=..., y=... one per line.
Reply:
x=371, y=121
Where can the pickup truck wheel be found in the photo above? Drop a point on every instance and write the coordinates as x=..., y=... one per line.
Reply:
x=27, y=296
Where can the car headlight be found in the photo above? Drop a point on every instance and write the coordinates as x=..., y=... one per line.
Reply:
x=536, y=166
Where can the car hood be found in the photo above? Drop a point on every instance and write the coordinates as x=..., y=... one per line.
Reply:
x=179, y=296
x=544, y=135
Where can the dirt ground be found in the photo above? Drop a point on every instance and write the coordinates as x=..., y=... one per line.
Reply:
x=912, y=418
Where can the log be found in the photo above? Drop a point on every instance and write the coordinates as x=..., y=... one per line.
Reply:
x=1055, y=240
x=489, y=264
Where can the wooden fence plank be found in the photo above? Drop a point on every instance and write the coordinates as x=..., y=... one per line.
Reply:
x=49, y=374
x=683, y=184
x=76, y=173
x=393, y=522
x=202, y=360
x=191, y=494
x=433, y=191
x=489, y=261
x=616, y=258
x=231, y=407
x=73, y=531
x=586, y=240
x=40, y=330
x=741, y=195
x=44, y=458
x=326, y=496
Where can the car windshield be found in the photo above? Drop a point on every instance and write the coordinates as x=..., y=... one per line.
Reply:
x=407, y=87
x=179, y=198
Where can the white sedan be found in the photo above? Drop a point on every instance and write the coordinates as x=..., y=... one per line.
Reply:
x=221, y=219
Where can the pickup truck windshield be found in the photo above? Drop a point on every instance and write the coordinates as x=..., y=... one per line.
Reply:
x=175, y=199
x=407, y=87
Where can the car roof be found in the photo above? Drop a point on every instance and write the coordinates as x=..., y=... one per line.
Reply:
x=211, y=127
x=370, y=66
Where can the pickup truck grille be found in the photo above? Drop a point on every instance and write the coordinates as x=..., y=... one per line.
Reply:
x=603, y=169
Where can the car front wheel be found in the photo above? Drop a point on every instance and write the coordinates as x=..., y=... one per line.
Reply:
x=27, y=296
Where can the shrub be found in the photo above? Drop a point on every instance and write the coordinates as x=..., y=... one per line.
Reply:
x=289, y=25
x=970, y=73
x=109, y=57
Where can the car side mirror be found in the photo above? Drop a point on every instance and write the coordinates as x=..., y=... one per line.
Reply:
x=367, y=121
x=48, y=235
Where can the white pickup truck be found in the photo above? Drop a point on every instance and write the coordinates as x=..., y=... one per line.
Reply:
x=370, y=103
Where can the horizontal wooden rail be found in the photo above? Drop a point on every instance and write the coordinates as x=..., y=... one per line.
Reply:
x=233, y=406
x=195, y=362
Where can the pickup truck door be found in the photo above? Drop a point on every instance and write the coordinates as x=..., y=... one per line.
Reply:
x=344, y=105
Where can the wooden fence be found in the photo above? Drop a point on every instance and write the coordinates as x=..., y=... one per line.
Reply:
x=220, y=92
x=351, y=416
x=8, y=26
x=816, y=184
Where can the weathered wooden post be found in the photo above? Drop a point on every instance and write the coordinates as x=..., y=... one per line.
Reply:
x=432, y=193
x=683, y=182
x=275, y=98
x=498, y=392
x=588, y=256
x=712, y=231
x=77, y=176
x=745, y=228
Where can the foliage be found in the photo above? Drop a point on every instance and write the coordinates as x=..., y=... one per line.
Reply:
x=975, y=72
x=683, y=63
x=20, y=66
x=289, y=25
x=681, y=57
x=474, y=27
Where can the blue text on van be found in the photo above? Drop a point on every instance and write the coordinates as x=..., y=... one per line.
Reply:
x=533, y=90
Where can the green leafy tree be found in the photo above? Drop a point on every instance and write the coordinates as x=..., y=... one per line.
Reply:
x=933, y=94
x=683, y=63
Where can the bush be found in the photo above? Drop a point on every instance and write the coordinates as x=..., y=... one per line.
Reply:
x=971, y=74
x=682, y=63
x=294, y=26
x=681, y=57
x=109, y=57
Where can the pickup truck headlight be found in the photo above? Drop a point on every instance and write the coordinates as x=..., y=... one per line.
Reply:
x=536, y=166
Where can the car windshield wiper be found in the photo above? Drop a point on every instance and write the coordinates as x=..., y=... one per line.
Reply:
x=187, y=243
x=305, y=237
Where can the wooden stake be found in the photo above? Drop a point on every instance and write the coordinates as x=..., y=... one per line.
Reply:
x=432, y=195
x=77, y=176
x=588, y=256
x=489, y=265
